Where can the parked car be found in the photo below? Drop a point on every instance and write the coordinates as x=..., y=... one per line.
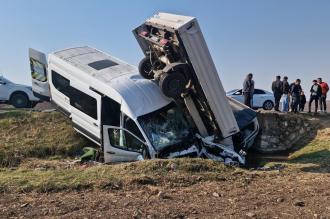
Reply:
x=261, y=98
x=18, y=95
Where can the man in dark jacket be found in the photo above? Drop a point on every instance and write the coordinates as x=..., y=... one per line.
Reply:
x=277, y=91
x=248, y=90
x=316, y=92
x=302, y=101
x=295, y=90
x=285, y=95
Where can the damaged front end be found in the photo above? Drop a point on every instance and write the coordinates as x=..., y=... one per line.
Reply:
x=224, y=151
x=233, y=150
x=205, y=147
x=172, y=135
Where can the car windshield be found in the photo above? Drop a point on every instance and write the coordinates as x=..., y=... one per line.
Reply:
x=165, y=127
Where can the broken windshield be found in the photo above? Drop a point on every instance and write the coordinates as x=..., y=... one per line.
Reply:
x=165, y=127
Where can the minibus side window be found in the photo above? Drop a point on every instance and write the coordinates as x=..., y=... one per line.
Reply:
x=131, y=126
x=83, y=102
x=78, y=99
x=110, y=113
x=61, y=83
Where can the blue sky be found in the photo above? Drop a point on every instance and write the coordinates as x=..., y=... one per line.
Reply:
x=266, y=37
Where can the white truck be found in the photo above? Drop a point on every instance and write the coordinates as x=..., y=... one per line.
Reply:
x=110, y=103
x=18, y=95
x=178, y=60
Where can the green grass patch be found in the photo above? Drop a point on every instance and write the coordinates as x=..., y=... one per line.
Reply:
x=317, y=152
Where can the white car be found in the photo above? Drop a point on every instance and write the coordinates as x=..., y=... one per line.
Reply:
x=18, y=95
x=261, y=98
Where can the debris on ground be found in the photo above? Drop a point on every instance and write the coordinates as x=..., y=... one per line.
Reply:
x=271, y=168
x=90, y=154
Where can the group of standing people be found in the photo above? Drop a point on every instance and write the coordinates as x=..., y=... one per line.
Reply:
x=283, y=91
x=291, y=95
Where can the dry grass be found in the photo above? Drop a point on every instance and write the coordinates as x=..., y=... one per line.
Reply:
x=29, y=141
x=179, y=172
x=27, y=134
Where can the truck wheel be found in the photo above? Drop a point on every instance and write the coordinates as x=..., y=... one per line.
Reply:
x=20, y=100
x=174, y=79
x=173, y=84
x=178, y=68
x=145, y=68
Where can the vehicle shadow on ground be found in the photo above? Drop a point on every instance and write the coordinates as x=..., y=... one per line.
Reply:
x=320, y=161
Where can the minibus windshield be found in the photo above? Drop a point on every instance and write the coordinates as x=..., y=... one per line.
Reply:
x=164, y=127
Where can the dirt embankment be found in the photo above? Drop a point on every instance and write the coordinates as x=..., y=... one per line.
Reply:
x=267, y=195
x=49, y=184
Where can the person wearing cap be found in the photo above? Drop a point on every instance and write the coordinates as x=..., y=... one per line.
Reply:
x=277, y=91
x=323, y=99
x=295, y=90
x=285, y=96
x=316, y=92
x=248, y=90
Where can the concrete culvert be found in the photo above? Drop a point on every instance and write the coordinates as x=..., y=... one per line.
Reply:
x=282, y=133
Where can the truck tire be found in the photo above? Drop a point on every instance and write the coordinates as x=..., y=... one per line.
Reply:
x=145, y=68
x=173, y=84
x=178, y=68
x=20, y=100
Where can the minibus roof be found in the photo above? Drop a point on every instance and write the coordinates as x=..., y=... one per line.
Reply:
x=116, y=79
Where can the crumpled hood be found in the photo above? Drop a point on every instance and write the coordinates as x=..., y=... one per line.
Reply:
x=244, y=115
